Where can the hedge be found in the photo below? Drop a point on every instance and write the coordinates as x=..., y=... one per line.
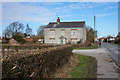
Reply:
x=37, y=64
x=25, y=47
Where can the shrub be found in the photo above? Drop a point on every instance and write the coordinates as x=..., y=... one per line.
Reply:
x=79, y=41
x=26, y=47
x=36, y=64
x=19, y=39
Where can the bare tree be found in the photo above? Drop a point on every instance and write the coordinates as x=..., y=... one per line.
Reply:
x=13, y=28
x=40, y=31
x=28, y=31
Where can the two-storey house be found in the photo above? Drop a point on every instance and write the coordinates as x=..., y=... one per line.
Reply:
x=65, y=32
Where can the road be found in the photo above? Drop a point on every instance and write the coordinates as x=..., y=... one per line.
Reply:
x=113, y=51
x=106, y=68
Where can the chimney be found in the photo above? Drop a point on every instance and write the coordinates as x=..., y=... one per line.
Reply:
x=58, y=20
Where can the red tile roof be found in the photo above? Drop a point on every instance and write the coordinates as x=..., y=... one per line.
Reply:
x=28, y=39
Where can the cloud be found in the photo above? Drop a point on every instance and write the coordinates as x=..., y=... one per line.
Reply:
x=78, y=5
x=30, y=12
x=60, y=0
x=105, y=14
x=111, y=7
x=19, y=12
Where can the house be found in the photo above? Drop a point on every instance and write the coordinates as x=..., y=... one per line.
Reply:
x=14, y=42
x=102, y=39
x=40, y=41
x=65, y=32
x=3, y=40
x=118, y=36
x=0, y=40
x=28, y=39
x=110, y=38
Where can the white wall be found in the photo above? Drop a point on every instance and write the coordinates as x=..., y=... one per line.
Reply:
x=68, y=33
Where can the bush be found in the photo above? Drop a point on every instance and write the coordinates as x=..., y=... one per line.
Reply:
x=19, y=39
x=26, y=47
x=79, y=41
x=36, y=64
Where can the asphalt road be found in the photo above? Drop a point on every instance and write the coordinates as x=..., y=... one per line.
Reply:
x=114, y=51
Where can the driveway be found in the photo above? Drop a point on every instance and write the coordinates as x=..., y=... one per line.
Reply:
x=106, y=68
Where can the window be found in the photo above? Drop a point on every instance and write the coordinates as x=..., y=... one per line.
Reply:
x=52, y=31
x=73, y=39
x=52, y=40
x=62, y=31
x=73, y=31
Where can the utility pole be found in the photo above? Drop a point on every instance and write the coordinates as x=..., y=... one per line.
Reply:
x=94, y=29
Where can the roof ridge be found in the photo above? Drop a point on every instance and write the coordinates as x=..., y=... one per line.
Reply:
x=67, y=22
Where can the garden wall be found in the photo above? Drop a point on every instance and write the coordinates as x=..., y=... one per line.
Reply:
x=37, y=64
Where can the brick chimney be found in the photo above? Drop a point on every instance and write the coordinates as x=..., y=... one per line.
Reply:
x=58, y=20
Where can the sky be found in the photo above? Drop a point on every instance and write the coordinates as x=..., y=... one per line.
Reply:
x=41, y=13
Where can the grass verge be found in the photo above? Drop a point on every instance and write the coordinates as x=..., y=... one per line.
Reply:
x=90, y=47
x=86, y=67
x=79, y=66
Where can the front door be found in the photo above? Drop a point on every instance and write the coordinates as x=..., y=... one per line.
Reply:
x=61, y=41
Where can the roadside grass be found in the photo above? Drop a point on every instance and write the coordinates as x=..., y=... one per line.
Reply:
x=90, y=47
x=86, y=67
x=79, y=66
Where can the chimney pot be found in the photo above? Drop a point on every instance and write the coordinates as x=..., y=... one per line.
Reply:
x=58, y=19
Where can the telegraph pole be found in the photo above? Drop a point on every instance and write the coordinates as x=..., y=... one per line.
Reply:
x=94, y=29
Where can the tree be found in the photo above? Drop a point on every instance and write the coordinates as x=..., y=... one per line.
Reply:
x=19, y=39
x=13, y=28
x=90, y=35
x=28, y=31
x=40, y=31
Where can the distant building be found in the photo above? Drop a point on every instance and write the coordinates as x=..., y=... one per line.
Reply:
x=0, y=40
x=40, y=41
x=65, y=32
x=12, y=41
x=28, y=39
x=3, y=40
x=102, y=39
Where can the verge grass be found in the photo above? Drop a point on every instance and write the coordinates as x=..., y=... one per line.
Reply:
x=86, y=67
x=79, y=66
x=90, y=47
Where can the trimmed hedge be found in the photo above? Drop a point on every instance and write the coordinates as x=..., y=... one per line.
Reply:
x=25, y=47
x=36, y=64
x=87, y=44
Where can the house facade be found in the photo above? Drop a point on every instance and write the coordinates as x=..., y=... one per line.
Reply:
x=65, y=32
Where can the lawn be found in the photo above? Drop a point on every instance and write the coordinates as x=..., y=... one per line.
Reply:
x=86, y=67
x=90, y=47
x=79, y=66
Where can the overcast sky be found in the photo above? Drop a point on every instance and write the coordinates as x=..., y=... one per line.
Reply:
x=41, y=13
